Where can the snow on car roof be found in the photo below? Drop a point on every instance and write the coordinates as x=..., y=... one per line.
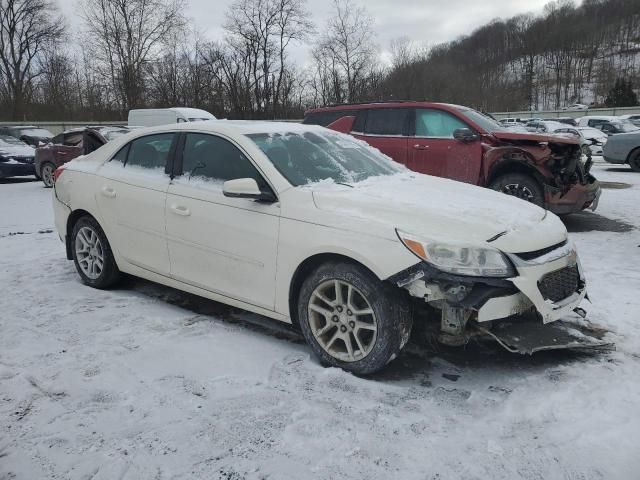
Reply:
x=240, y=127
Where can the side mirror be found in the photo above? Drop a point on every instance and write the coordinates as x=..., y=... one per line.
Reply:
x=465, y=135
x=246, y=188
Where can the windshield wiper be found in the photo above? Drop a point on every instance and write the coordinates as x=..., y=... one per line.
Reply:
x=345, y=184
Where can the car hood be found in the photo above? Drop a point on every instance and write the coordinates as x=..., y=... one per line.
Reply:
x=437, y=208
x=8, y=150
x=535, y=137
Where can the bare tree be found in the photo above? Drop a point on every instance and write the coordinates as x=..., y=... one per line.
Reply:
x=125, y=36
x=347, y=47
x=27, y=28
x=260, y=33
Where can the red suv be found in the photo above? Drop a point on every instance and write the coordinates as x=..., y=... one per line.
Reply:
x=462, y=144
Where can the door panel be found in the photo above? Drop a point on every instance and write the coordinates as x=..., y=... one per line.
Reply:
x=225, y=245
x=131, y=197
x=434, y=151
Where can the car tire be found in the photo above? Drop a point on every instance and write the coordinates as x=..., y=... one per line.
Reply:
x=361, y=330
x=634, y=161
x=92, y=254
x=46, y=173
x=521, y=186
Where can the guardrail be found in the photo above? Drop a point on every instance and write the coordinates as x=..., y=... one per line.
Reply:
x=59, y=127
x=569, y=113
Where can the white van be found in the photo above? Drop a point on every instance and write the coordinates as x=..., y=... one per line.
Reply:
x=151, y=117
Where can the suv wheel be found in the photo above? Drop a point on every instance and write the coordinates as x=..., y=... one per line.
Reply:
x=351, y=319
x=634, y=161
x=519, y=185
x=46, y=171
x=92, y=254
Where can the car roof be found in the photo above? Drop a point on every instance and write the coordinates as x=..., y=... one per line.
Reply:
x=389, y=104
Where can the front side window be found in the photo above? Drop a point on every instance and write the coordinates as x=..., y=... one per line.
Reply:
x=151, y=151
x=437, y=123
x=214, y=158
x=386, y=121
x=308, y=157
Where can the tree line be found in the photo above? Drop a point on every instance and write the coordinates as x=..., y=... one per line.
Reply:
x=143, y=53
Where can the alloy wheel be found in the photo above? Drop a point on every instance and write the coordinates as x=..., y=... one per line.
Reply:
x=342, y=320
x=47, y=174
x=520, y=191
x=89, y=252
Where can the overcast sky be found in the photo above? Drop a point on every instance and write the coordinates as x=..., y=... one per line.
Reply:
x=424, y=21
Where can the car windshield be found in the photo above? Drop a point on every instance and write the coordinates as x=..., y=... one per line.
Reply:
x=484, y=122
x=304, y=158
x=36, y=132
x=625, y=126
x=10, y=140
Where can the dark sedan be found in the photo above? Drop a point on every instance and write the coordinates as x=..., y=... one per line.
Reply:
x=16, y=158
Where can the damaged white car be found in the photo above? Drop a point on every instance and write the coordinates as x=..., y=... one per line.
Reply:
x=310, y=226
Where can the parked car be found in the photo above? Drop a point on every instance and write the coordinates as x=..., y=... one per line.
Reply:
x=590, y=146
x=633, y=118
x=70, y=144
x=313, y=227
x=150, y=117
x=595, y=120
x=624, y=149
x=543, y=126
x=597, y=137
x=507, y=122
x=461, y=144
x=576, y=106
x=567, y=120
x=615, y=127
x=16, y=157
x=29, y=134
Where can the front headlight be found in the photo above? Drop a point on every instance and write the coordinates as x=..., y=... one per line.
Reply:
x=459, y=258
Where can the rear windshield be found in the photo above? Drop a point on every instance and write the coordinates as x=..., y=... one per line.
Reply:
x=304, y=158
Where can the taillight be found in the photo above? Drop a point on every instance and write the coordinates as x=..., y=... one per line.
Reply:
x=57, y=173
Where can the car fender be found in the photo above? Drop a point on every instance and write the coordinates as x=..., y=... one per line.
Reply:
x=382, y=256
x=500, y=160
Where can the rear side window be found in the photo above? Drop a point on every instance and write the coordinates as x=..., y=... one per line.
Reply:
x=151, y=151
x=437, y=123
x=215, y=158
x=386, y=121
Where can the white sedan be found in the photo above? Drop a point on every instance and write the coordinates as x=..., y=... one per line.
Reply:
x=310, y=226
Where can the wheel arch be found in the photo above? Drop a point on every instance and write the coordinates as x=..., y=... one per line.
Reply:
x=509, y=164
x=307, y=266
x=632, y=153
x=71, y=221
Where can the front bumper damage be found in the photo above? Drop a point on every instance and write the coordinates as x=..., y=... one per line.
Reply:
x=533, y=311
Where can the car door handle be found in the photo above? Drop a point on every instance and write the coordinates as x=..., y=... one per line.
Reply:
x=417, y=146
x=108, y=192
x=180, y=210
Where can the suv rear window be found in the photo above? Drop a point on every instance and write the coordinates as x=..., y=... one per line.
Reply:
x=386, y=121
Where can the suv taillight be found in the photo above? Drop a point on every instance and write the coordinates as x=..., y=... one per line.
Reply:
x=57, y=173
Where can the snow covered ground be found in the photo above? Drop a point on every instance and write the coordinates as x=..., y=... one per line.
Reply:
x=146, y=382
